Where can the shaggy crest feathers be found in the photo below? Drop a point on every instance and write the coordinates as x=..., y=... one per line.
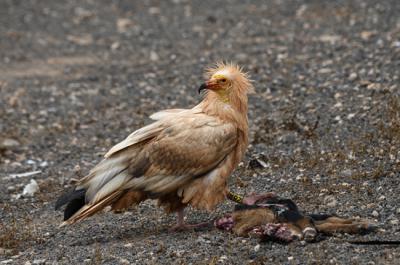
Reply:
x=236, y=72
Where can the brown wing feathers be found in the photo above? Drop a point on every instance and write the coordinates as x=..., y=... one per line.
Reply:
x=174, y=157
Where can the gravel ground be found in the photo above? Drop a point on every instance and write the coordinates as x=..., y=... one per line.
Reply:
x=77, y=77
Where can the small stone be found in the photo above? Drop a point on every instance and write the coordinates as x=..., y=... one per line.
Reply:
x=290, y=258
x=7, y=261
x=324, y=71
x=11, y=188
x=115, y=46
x=350, y=116
x=382, y=198
x=44, y=164
x=338, y=105
x=353, y=76
x=394, y=221
x=31, y=162
x=330, y=38
x=398, y=210
x=154, y=56
x=82, y=40
x=330, y=201
x=124, y=261
x=123, y=24
x=257, y=248
x=9, y=143
x=31, y=188
x=366, y=35
x=154, y=10
x=375, y=213
x=346, y=173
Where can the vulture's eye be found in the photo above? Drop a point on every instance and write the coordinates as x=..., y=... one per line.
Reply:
x=223, y=80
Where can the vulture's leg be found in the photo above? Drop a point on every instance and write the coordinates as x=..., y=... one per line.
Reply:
x=180, y=223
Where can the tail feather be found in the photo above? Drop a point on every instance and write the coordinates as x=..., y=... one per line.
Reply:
x=73, y=206
x=103, y=186
x=75, y=200
x=90, y=209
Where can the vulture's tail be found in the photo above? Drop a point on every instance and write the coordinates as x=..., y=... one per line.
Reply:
x=104, y=186
x=75, y=200
x=100, y=188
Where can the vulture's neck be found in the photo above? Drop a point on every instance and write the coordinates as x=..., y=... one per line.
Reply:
x=232, y=109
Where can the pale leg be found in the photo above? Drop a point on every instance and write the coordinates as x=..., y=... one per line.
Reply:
x=180, y=223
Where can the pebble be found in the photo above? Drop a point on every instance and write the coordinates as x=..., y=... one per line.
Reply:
x=11, y=188
x=394, y=221
x=115, y=45
x=346, y=173
x=124, y=261
x=257, y=248
x=154, y=56
x=375, y=213
x=44, y=164
x=9, y=143
x=353, y=76
x=350, y=116
x=330, y=201
x=31, y=188
x=123, y=24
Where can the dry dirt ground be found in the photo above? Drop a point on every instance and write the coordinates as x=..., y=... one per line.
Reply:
x=77, y=77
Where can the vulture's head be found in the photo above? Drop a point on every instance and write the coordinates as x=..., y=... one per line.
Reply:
x=227, y=81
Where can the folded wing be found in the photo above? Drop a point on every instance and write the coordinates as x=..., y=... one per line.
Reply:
x=158, y=159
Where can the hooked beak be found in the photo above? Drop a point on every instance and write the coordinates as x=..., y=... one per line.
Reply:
x=208, y=85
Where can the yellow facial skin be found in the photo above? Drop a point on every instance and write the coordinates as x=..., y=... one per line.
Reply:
x=220, y=85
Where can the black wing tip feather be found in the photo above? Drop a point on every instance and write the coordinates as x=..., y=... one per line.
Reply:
x=74, y=199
